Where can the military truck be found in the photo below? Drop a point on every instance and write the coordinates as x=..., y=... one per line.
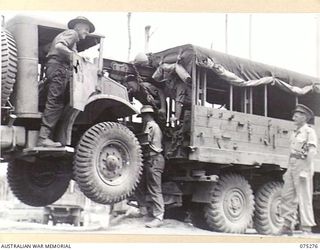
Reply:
x=100, y=153
x=231, y=147
x=225, y=157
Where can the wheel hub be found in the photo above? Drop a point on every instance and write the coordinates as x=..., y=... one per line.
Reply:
x=234, y=204
x=112, y=162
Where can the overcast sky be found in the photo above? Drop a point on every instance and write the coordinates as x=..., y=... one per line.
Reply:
x=284, y=40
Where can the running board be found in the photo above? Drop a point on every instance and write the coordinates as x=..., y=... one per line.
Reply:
x=47, y=151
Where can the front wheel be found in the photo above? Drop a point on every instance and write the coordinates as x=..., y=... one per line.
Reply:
x=108, y=163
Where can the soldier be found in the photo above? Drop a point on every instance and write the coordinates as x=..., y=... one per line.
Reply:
x=154, y=165
x=177, y=86
x=57, y=74
x=298, y=187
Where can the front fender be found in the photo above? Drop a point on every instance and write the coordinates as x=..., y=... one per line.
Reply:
x=122, y=107
x=114, y=106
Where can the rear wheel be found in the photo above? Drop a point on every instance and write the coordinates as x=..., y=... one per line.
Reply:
x=76, y=221
x=108, y=163
x=38, y=183
x=45, y=219
x=267, y=218
x=232, y=205
x=8, y=65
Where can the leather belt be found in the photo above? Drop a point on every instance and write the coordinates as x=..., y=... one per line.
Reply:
x=297, y=156
x=58, y=60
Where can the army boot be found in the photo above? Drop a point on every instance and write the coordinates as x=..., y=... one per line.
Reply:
x=44, y=141
x=306, y=230
x=286, y=230
x=156, y=222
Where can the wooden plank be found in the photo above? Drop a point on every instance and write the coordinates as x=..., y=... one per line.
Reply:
x=232, y=141
x=250, y=100
x=238, y=116
x=193, y=99
x=215, y=130
x=211, y=155
x=198, y=85
x=239, y=126
x=236, y=136
x=204, y=89
x=266, y=100
x=205, y=154
x=231, y=97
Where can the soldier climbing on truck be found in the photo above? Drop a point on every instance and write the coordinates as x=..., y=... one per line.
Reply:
x=58, y=73
x=102, y=155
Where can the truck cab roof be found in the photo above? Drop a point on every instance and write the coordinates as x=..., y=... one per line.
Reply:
x=48, y=30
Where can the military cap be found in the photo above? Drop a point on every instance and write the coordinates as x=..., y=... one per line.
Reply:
x=81, y=19
x=146, y=109
x=305, y=110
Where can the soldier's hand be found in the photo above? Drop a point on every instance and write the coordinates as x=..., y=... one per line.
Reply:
x=173, y=119
x=85, y=58
x=150, y=99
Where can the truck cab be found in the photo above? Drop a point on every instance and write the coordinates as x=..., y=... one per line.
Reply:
x=38, y=176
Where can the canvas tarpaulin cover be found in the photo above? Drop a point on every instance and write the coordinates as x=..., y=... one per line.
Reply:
x=236, y=71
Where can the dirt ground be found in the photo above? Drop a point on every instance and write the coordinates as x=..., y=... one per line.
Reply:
x=127, y=224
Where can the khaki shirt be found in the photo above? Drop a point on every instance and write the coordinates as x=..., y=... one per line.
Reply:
x=154, y=136
x=302, y=136
x=69, y=38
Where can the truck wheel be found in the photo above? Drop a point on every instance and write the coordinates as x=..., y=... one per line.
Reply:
x=267, y=208
x=76, y=221
x=232, y=205
x=38, y=183
x=108, y=163
x=197, y=216
x=8, y=64
x=45, y=219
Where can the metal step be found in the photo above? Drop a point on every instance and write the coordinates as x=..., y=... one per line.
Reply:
x=47, y=151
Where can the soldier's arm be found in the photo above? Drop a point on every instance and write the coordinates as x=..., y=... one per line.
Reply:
x=149, y=130
x=66, y=41
x=312, y=144
x=64, y=50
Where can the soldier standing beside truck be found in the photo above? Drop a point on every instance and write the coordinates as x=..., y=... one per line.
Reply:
x=153, y=165
x=298, y=188
x=57, y=73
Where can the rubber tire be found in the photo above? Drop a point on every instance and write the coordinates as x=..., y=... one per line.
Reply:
x=9, y=63
x=197, y=216
x=26, y=185
x=45, y=219
x=216, y=213
x=266, y=221
x=76, y=221
x=86, y=164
